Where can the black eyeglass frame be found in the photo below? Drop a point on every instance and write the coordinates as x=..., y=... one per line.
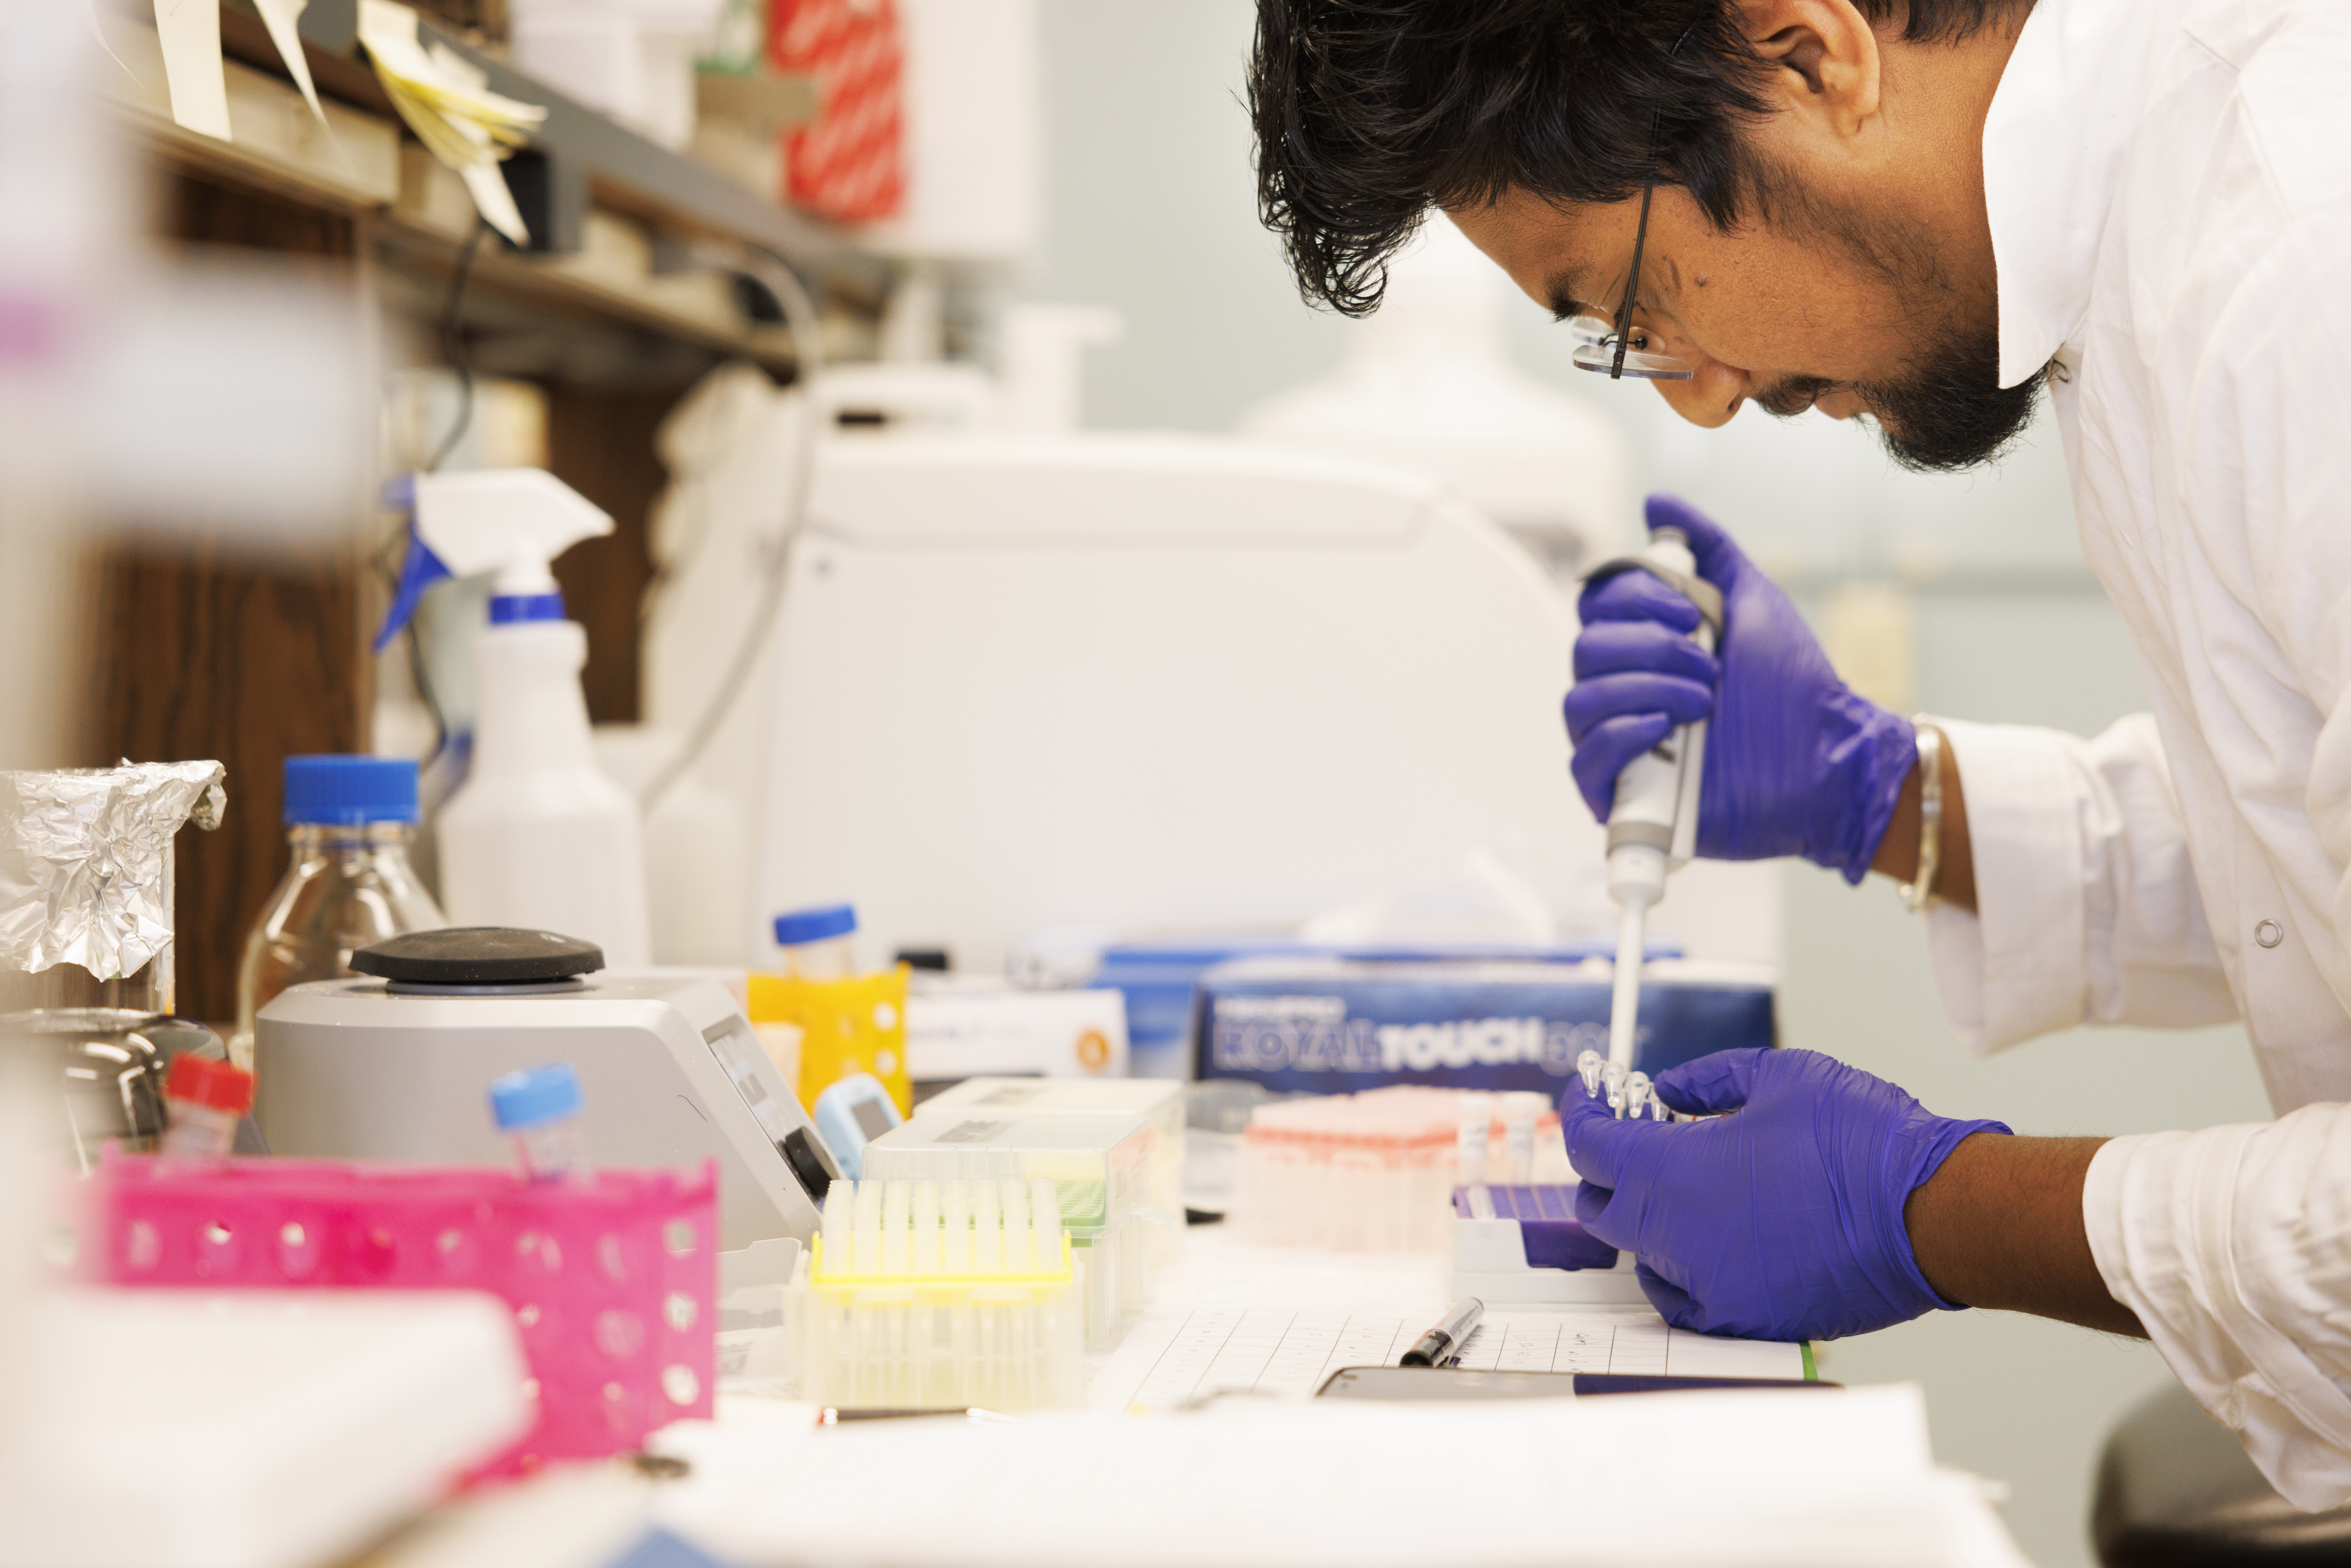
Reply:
x=1633, y=287
x=1623, y=325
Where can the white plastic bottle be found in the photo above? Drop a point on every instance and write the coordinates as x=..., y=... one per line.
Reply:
x=538, y=836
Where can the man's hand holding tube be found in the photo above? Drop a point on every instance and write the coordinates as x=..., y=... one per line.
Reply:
x=1782, y=1220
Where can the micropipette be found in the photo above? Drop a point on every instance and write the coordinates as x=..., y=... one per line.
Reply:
x=1653, y=824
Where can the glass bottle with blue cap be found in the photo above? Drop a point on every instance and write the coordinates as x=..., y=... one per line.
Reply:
x=348, y=821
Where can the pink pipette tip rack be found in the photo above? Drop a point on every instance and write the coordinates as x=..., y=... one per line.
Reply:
x=613, y=1285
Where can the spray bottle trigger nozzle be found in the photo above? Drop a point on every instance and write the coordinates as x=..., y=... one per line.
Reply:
x=420, y=571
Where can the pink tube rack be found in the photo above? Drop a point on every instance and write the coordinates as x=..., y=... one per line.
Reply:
x=612, y=1286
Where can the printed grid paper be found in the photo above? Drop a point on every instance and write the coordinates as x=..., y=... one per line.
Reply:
x=1279, y=1351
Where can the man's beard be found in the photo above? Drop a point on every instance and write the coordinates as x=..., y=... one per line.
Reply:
x=1948, y=415
x=1946, y=410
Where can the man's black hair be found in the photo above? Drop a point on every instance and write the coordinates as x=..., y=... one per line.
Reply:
x=1368, y=111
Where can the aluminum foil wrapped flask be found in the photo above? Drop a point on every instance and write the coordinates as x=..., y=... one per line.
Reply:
x=86, y=972
x=85, y=881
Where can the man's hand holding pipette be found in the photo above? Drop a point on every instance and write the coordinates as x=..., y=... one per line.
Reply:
x=1796, y=764
x=1782, y=1221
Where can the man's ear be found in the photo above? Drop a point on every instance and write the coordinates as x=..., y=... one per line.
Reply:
x=1824, y=60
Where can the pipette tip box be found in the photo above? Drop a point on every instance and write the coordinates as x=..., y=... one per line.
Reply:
x=1522, y=1244
x=1099, y=1165
x=1158, y=1101
x=932, y=1295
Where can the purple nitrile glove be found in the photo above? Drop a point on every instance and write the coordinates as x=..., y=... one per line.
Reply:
x=1795, y=763
x=1783, y=1221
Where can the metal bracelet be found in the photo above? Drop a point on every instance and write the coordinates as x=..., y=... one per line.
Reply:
x=1921, y=887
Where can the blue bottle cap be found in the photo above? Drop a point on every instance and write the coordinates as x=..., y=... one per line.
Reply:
x=536, y=1096
x=815, y=924
x=347, y=791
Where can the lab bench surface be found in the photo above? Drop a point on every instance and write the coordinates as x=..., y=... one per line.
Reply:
x=1272, y=1476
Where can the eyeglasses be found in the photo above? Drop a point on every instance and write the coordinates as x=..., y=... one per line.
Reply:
x=1606, y=346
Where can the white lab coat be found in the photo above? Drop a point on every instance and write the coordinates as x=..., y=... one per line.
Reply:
x=2169, y=193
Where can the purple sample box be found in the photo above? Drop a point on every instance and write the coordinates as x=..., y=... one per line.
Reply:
x=1523, y=1246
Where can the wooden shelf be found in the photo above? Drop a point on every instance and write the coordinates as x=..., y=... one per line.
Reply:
x=557, y=290
x=622, y=169
x=350, y=164
x=586, y=151
x=583, y=175
x=587, y=154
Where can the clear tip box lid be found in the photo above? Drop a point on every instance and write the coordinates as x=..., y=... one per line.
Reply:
x=1097, y=1161
x=1150, y=1098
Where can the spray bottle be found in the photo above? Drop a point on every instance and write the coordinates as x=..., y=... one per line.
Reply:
x=537, y=836
x=1653, y=825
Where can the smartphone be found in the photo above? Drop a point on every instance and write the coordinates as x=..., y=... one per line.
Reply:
x=1460, y=1383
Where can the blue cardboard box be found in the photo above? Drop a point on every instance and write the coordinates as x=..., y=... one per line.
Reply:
x=1160, y=978
x=1330, y=1026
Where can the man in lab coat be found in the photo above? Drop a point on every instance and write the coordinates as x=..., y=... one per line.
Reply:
x=1929, y=215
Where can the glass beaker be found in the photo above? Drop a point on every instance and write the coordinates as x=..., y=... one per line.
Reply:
x=87, y=880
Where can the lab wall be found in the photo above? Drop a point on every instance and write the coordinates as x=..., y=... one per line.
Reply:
x=1151, y=209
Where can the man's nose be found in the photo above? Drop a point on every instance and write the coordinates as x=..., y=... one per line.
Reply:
x=1710, y=396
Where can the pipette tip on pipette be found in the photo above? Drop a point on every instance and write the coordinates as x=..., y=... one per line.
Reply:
x=1625, y=1004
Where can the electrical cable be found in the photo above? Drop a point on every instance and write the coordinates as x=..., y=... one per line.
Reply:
x=453, y=345
x=800, y=314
